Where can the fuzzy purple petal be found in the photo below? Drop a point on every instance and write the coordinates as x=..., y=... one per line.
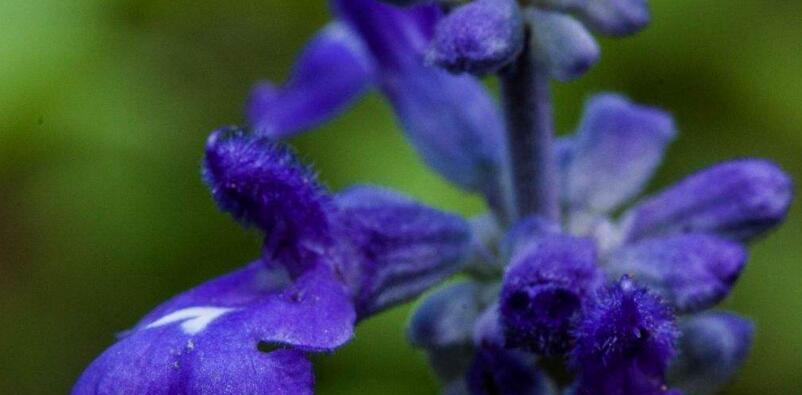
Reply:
x=739, y=199
x=479, y=37
x=544, y=289
x=240, y=333
x=624, y=343
x=261, y=182
x=692, y=272
x=408, y=247
x=194, y=367
x=616, y=150
x=331, y=72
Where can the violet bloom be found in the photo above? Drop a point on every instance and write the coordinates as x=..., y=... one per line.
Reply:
x=569, y=270
x=328, y=261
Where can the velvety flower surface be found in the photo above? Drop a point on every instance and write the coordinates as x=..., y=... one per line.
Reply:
x=544, y=290
x=483, y=36
x=207, y=340
x=625, y=341
x=479, y=38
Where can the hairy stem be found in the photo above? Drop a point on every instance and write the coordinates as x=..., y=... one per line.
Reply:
x=530, y=138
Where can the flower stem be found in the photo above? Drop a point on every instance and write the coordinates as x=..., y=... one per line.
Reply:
x=530, y=138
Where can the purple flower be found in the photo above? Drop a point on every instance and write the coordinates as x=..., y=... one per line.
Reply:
x=326, y=264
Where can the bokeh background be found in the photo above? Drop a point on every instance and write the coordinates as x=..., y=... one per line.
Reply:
x=105, y=105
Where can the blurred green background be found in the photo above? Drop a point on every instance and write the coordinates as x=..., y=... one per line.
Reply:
x=105, y=105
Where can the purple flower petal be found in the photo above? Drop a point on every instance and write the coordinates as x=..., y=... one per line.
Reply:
x=711, y=349
x=259, y=181
x=544, y=289
x=451, y=120
x=692, y=272
x=408, y=247
x=313, y=312
x=479, y=37
x=331, y=72
x=208, y=339
x=739, y=199
x=624, y=343
x=562, y=44
x=616, y=150
x=194, y=368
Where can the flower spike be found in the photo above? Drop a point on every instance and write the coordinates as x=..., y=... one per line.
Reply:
x=558, y=270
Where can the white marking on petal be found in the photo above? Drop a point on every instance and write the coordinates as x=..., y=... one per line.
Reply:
x=195, y=319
